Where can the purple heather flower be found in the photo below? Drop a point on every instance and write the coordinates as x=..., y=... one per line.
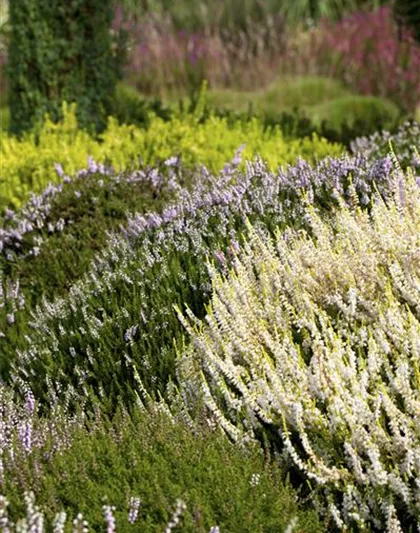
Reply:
x=92, y=166
x=134, y=509
x=59, y=170
x=25, y=435
x=30, y=401
x=130, y=333
x=220, y=256
x=172, y=161
x=109, y=518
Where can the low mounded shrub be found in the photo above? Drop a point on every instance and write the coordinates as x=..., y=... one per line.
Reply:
x=137, y=467
x=405, y=141
x=211, y=143
x=366, y=114
x=119, y=316
x=313, y=341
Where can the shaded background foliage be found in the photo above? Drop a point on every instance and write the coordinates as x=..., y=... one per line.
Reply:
x=61, y=51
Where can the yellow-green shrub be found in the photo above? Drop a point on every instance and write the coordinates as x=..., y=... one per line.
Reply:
x=28, y=163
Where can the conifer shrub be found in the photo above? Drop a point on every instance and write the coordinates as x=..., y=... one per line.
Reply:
x=60, y=52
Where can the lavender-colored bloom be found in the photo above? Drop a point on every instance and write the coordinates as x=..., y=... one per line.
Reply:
x=59, y=170
x=130, y=333
x=133, y=510
x=172, y=161
x=25, y=434
x=92, y=166
x=109, y=518
x=220, y=256
x=30, y=401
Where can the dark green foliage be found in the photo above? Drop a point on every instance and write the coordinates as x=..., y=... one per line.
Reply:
x=90, y=211
x=61, y=51
x=129, y=108
x=159, y=461
x=407, y=13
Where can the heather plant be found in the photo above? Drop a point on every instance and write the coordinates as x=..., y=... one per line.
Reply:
x=404, y=142
x=125, y=146
x=118, y=319
x=130, y=472
x=50, y=242
x=312, y=340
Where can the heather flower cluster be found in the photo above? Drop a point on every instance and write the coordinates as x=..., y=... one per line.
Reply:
x=34, y=521
x=405, y=142
x=315, y=336
x=148, y=254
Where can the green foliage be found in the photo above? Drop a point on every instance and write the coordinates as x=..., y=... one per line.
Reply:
x=4, y=119
x=212, y=142
x=367, y=114
x=91, y=206
x=159, y=461
x=129, y=107
x=237, y=14
x=305, y=105
x=285, y=94
x=60, y=51
x=407, y=13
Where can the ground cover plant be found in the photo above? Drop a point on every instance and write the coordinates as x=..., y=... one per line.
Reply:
x=112, y=285
x=183, y=136
x=404, y=141
x=209, y=269
x=315, y=339
x=123, y=303
x=134, y=472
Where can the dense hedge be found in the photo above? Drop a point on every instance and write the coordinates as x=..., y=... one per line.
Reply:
x=60, y=51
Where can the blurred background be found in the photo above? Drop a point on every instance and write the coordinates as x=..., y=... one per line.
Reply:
x=344, y=67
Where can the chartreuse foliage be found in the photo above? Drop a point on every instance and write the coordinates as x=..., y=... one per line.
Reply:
x=315, y=338
x=211, y=143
